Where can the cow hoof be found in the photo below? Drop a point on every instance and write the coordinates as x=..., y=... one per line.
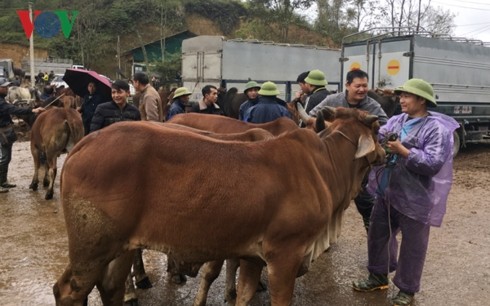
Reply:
x=45, y=183
x=33, y=186
x=49, y=196
x=132, y=302
x=230, y=296
x=144, y=283
x=261, y=286
x=178, y=279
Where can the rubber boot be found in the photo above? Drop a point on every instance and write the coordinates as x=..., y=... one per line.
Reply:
x=3, y=178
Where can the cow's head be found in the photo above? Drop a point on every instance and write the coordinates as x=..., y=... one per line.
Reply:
x=358, y=127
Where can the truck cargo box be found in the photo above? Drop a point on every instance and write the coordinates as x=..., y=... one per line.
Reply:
x=458, y=70
x=231, y=63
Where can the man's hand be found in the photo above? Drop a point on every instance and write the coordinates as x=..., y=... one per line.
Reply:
x=38, y=110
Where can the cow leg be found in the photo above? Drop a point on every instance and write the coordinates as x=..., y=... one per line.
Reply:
x=247, y=281
x=112, y=284
x=230, y=283
x=130, y=297
x=52, y=169
x=35, y=178
x=282, y=271
x=74, y=288
x=173, y=270
x=142, y=280
x=210, y=272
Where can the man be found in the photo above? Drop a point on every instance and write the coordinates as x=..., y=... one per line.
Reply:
x=269, y=107
x=150, y=104
x=355, y=96
x=208, y=105
x=252, y=93
x=89, y=104
x=314, y=86
x=180, y=99
x=301, y=95
x=7, y=134
x=116, y=110
x=411, y=191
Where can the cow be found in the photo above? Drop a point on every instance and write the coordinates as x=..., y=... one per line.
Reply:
x=17, y=93
x=285, y=222
x=55, y=131
x=222, y=124
x=387, y=99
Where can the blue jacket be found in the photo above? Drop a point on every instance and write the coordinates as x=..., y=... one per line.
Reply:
x=267, y=109
x=175, y=108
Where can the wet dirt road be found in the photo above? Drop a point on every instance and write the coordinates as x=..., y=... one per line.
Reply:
x=33, y=249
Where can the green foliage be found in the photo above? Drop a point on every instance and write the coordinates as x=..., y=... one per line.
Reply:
x=169, y=70
x=226, y=14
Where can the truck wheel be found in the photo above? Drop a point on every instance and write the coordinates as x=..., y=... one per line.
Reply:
x=457, y=144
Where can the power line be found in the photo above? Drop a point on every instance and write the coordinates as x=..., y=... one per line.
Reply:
x=462, y=6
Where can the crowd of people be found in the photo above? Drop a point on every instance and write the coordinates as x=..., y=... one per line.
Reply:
x=408, y=194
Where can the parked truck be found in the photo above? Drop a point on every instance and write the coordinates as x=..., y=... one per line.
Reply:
x=458, y=69
x=232, y=62
x=57, y=65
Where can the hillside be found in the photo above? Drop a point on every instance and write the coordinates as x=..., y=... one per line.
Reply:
x=99, y=24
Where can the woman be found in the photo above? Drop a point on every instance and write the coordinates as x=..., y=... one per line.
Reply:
x=411, y=191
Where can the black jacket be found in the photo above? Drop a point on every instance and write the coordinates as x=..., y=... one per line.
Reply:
x=109, y=112
x=7, y=109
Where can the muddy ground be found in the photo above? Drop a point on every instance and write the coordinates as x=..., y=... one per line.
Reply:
x=33, y=249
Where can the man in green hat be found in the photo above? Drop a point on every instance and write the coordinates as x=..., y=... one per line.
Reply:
x=411, y=191
x=269, y=107
x=355, y=96
x=252, y=93
x=315, y=84
x=180, y=100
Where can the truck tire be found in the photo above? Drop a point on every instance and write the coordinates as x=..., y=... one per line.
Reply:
x=457, y=143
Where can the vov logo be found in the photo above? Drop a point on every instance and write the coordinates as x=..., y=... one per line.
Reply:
x=47, y=24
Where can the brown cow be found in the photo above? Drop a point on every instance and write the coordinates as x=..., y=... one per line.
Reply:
x=55, y=131
x=274, y=223
x=222, y=124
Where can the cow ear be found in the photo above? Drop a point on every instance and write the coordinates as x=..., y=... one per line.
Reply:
x=319, y=123
x=328, y=113
x=365, y=146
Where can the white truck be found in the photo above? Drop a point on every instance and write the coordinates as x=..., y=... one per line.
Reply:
x=458, y=69
x=230, y=63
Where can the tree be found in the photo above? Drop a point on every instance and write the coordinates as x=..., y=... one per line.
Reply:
x=415, y=16
x=278, y=12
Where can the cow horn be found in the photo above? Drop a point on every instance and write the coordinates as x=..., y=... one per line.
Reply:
x=328, y=113
x=369, y=119
x=302, y=112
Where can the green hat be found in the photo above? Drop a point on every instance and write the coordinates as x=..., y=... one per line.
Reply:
x=251, y=84
x=268, y=89
x=316, y=77
x=181, y=91
x=419, y=88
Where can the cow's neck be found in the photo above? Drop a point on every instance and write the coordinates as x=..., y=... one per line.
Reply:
x=345, y=169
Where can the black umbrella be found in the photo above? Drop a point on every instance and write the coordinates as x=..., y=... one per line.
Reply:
x=78, y=79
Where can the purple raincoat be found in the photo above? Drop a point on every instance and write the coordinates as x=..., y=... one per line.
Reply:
x=418, y=186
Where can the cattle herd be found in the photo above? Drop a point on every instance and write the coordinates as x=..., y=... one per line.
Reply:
x=262, y=195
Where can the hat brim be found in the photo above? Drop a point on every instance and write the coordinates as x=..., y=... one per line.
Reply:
x=431, y=102
x=316, y=82
x=263, y=92
x=182, y=94
x=246, y=89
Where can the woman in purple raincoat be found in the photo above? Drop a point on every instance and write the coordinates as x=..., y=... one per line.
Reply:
x=411, y=190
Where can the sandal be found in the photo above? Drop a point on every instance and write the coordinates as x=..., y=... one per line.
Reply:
x=372, y=283
x=402, y=299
